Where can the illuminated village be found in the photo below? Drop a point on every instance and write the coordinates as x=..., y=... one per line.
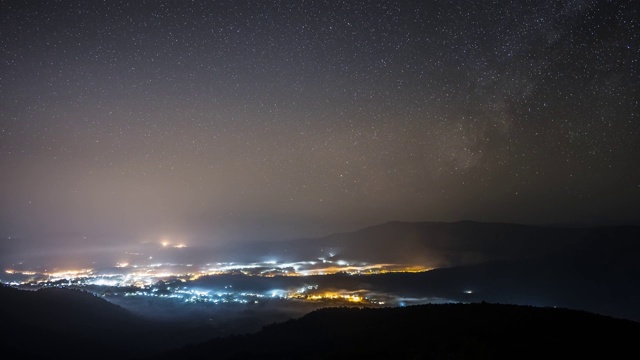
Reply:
x=213, y=284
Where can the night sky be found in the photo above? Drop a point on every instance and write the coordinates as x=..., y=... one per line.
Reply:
x=216, y=121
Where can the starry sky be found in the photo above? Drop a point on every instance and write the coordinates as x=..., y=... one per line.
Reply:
x=218, y=121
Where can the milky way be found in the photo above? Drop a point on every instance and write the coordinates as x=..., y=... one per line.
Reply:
x=233, y=120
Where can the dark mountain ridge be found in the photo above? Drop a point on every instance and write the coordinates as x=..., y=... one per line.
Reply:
x=64, y=323
x=462, y=331
x=440, y=244
x=591, y=269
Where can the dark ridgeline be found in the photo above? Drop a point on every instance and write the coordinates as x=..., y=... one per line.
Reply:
x=587, y=268
x=71, y=324
x=441, y=244
x=57, y=323
x=452, y=331
x=591, y=269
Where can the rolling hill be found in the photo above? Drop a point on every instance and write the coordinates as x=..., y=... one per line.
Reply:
x=452, y=331
x=72, y=324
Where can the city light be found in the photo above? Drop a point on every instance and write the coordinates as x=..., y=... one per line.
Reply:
x=181, y=282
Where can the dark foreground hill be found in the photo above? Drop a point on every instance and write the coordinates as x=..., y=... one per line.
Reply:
x=451, y=331
x=59, y=323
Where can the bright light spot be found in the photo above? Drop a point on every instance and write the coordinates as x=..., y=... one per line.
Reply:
x=106, y=282
x=468, y=291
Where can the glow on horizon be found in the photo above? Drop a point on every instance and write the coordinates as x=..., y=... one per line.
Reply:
x=146, y=274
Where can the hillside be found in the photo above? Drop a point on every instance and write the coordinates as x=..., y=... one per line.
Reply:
x=73, y=324
x=440, y=244
x=461, y=331
x=593, y=269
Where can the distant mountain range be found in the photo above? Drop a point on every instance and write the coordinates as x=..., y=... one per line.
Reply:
x=595, y=270
x=589, y=268
x=440, y=244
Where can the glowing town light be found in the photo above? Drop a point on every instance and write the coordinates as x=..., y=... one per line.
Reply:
x=106, y=282
x=70, y=273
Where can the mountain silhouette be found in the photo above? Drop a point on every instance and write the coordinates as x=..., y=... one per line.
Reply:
x=532, y=268
x=438, y=244
x=588, y=268
x=450, y=331
x=60, y=323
